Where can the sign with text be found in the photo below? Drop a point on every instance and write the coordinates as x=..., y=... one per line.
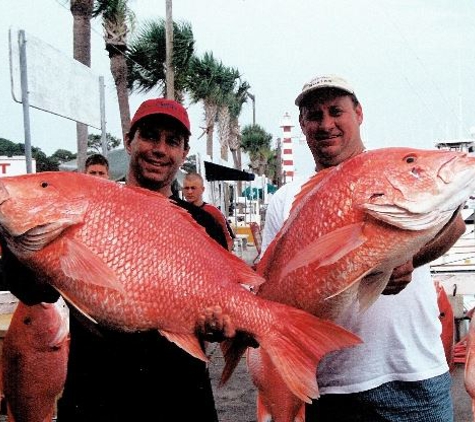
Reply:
x=14, y=166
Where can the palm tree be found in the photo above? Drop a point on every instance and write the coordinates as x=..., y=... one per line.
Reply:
x=82, y=14
x=117, y=20
x=147, y=57
x=227, y=101
x=94, y=143
x=257, y=143
x=235, y=107
x=210, y=81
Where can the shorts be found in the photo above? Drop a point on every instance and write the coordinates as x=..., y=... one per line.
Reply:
x=429, y=400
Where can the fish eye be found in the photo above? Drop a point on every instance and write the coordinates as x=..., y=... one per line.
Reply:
x=44, y=184
x=409, y=159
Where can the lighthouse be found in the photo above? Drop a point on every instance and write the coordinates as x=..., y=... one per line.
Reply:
x=288, y=168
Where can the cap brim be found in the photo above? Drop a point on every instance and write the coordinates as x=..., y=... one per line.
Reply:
x=162, y=114
x=305, y=93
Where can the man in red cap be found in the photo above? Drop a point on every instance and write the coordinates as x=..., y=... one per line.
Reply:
x=158, y=143
x=123, y=377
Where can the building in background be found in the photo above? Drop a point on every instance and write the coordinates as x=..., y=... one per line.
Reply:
x=288, y=168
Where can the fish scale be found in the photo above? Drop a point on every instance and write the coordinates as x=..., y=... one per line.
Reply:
x=158, y=270
x=348, y=228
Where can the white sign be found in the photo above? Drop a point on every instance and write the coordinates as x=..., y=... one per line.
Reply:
x=57, y=83
x=14, y=166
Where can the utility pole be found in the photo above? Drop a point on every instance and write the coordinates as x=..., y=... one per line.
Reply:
x=253, y=98
x=170, y=75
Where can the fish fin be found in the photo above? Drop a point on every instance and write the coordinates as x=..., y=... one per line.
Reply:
x=232, y=349
x=246, y=275
x=266, y=259
x=300, y=414
x=188, y=342
x=309, y=185
x=350, y=284
x=82, y=311
x=296, y=348
x=263, y=415
x=370, y=287
x=295, y=344
x=328, y=248
x=80, y=263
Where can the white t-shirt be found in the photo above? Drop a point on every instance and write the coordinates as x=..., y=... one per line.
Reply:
x=400, y=333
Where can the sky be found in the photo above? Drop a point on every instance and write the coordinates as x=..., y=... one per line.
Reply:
x=411, y=63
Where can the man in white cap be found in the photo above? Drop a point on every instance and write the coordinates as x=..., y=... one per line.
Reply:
x=399, y=373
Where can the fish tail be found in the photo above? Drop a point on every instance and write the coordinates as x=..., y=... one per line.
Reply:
x=295, y=345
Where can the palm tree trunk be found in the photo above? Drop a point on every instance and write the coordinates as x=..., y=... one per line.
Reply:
x=82, y=14
x=210, y=117
x=170, y=75
x=118, y=65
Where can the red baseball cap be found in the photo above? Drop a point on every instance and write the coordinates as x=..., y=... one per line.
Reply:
x=162, y=106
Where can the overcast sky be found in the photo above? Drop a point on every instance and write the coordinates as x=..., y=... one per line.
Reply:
x=411, y=63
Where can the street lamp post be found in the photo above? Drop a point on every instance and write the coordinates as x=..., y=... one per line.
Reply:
x=253, y=98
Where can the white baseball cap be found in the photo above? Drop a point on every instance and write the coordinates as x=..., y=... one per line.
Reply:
x=325, y=81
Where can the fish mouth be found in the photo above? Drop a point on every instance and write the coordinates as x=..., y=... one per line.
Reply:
x=447, y=171
x=452, y=183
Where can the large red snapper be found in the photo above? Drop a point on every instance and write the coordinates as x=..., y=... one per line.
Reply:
x=34, y=360
x=131, y=260
x=349, y=227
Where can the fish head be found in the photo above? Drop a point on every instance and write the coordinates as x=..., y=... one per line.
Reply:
x=417, y=189
x=36, y=208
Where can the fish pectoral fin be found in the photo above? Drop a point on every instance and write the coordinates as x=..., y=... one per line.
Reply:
x=328, y=248
x=188, y=342
x=80, y=263
x=371, y=287
x=350, y=284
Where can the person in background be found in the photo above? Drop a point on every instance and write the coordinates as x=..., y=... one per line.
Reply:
x=193, y=189
x=116, y=376
x=399, y=373
x=97, y=165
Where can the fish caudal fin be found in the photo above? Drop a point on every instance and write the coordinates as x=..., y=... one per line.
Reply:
x=296, y=343
x=264, y=415
x=296, y=348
